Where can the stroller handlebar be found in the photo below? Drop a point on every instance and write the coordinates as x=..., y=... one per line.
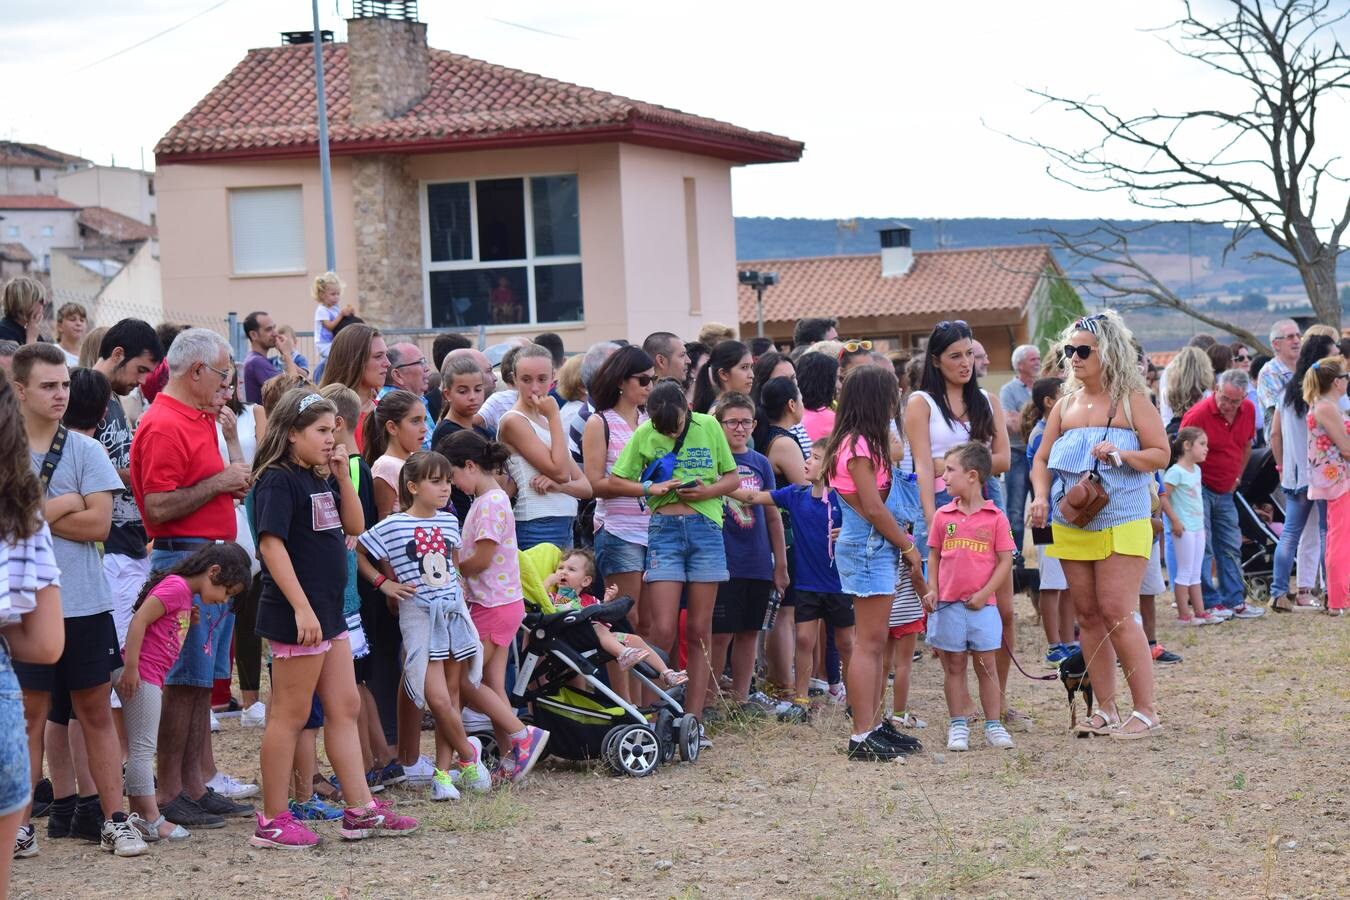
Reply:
x=601, y=612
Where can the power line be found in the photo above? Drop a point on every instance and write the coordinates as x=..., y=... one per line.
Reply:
x=152, y=37
x=566, y=37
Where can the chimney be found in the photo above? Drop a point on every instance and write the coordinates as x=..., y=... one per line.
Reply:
x=386, y=59
x=896, y=255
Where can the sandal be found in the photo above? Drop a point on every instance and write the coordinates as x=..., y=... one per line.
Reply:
x=1283, y=604
x=149, y=831
x=1151, y=728
x=674, y=677
x=1307, y=601
x=1087, y=727
x=630, y=657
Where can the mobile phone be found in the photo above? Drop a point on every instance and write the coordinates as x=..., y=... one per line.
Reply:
x=1115, y=458
x=691, y=483
x=1042, y=536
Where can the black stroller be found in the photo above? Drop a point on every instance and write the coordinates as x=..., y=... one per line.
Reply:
x=1260, y=486
x=595, y=722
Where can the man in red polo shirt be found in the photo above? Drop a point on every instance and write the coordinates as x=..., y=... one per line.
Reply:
x=1228, y=418
x=186, y=492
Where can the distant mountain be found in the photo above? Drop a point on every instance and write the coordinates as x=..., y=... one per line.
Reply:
x=1188, y=258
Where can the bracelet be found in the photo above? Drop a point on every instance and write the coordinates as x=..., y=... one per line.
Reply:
x=379, y=580
x=646, y=488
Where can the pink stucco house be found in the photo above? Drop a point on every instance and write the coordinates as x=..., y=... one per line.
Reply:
x=465, y=193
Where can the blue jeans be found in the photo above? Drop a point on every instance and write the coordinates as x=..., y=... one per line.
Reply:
x=1297, y=508
x=555, y=530
x=1223, y=541
x=1015, y=486
x=15, y=787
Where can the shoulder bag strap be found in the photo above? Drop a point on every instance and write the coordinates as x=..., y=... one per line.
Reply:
x=679, y=441
x=53, y=457
x=1110, y=415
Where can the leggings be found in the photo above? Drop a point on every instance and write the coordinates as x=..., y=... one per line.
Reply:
x=1190, y=554
x=140, y=715
x=1338, y=552
x=247, y=644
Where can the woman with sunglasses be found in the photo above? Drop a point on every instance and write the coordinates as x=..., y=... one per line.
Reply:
x=1106, y=424
x=618, y=394
x=948, y=409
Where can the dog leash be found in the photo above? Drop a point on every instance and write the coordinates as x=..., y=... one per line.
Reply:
x=1012, y=656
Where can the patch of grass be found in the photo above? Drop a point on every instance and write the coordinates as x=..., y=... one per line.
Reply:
x=1240, y=781
x=488, y=812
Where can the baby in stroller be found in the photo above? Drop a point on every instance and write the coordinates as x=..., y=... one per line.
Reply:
x=567, y=589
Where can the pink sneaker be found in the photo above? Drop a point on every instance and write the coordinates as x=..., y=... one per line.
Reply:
x=526, y=752
x=283, y=833
x=377, y=819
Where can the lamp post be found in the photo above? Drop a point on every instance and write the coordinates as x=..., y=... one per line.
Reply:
x=325, y=173
x=759, y=281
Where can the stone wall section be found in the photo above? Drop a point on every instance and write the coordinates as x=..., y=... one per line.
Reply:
x=387, y=67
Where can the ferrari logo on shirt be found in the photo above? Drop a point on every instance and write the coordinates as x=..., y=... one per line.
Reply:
x=951, y=529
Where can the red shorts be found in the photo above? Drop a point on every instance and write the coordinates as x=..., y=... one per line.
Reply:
x=498, y=624
x=915, y=627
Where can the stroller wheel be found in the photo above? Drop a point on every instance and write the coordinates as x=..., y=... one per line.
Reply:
x=607, y=745
x=665, y=732
x=635, y=750
x=687, y=738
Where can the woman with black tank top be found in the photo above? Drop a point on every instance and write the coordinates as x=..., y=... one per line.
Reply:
x=779, y=412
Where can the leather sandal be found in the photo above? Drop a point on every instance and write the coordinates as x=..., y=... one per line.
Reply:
x=1282, y=604
x=1151, y=728
x=1107, y=727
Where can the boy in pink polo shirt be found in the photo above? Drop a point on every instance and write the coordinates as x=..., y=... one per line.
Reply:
x=973, y=547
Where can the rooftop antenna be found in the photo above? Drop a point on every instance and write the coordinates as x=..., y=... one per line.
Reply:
x=840, y=226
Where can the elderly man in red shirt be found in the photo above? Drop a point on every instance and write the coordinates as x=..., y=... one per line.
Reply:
x=186, y=493
x=1228, y=419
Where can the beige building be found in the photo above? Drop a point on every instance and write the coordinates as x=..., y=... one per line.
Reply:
x=39, y=222
x=28, y=169
x=464, y=194
x=128, y=192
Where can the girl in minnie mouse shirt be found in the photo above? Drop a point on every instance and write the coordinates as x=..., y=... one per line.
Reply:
x=440, y=644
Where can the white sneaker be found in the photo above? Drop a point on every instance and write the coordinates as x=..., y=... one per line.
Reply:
x=420, y=772
x=25, y=842
x=1221, y=612
x=1247, y=611
x=998, y=736
x=474, y=776
x=120, y=837
x=908, y=720
x=215, y=723
x=254, y=716
x=958, y=737
x=232, y=788
x=442, y=788
x=838, y=694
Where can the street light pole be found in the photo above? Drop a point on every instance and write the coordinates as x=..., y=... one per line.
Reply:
x=325, y=172
x=759, y=281
x=759, y=308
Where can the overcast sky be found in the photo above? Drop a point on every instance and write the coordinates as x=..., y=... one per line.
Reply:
x=901, y=104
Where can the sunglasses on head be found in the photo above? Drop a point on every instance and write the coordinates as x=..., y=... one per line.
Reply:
x=643, y=380
x=1083, y=351
x=854, y=347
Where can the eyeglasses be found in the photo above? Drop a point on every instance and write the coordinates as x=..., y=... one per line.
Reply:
x=643, y=380
x=1289, y=337
x=738, y=423
x=416, y=362
x=1083, y=351
x=854, y=347
x=1344, y=376
x=224, y=376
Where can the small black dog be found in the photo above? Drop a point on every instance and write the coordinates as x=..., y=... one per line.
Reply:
x=1073, y=674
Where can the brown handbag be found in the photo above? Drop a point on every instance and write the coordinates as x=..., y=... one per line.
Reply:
x=1080, y=503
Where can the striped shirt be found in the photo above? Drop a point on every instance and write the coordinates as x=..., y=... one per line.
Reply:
x=27, y=566
x=906, y=607
x=1071, y=456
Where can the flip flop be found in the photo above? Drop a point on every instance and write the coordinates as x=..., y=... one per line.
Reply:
x=1151, y=729
x=1107, y=727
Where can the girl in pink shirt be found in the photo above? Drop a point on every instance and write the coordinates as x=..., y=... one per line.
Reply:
x=162, y=616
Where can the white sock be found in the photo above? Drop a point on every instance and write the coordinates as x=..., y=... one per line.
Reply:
x=859, y=737
x=521, y=735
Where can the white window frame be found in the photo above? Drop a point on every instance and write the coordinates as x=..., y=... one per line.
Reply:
x=529, y=263
x=235, y=272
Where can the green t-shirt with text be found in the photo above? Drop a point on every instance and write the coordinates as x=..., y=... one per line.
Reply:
x=705, y=455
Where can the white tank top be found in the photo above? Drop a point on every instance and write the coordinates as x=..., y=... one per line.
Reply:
x=530, y=504
x=944, y=435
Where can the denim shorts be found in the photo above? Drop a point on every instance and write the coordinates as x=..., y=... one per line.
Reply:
x=866, y=561
x=15, y=786
x=614, y=555
x=685, y=548
x=954, y=628
x=555, y=530
x=206, y=646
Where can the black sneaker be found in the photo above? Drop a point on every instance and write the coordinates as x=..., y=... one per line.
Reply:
x=872, y=748
x=182, y=811
x=42, y=798
x=1165, y=657
x=220, y=805
x=59, y=815
x=897, y=738
x=87, y=822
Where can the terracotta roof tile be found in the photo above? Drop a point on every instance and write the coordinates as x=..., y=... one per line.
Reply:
x=114, y=226
x=940, y=282
x=15, y=253
x=14, y=153
x=266, y=104
x=34, y=201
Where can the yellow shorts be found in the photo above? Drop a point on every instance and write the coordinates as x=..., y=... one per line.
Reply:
x=1128, y=539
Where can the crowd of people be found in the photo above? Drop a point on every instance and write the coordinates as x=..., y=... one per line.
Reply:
x=788, y=525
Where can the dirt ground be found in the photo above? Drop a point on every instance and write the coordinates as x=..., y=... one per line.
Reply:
x=1245, y=795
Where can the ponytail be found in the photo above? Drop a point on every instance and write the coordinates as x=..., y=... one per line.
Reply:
x=235, y=568
x=392, y=407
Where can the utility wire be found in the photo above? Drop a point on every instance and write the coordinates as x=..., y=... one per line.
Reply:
x=152, y=37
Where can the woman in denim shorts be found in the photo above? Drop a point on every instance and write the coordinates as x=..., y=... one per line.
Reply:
x=684, y=537
x=871, y=541
x=31, y=626
x=618, y=393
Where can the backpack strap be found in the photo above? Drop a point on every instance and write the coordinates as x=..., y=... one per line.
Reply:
x=53, y=457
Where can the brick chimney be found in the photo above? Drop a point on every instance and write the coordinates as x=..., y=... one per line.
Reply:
x=387, y=74
x=386, y=59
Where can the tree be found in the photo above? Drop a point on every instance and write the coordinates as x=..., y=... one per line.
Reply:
x=1259, y=168
x=1062, y=306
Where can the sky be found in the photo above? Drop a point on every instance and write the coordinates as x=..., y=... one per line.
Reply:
x=905, y=107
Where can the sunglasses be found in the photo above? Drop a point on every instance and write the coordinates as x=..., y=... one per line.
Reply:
x=1241, y=357
x=643, y=380
x=854, y=347
x=1082, y=351
x=952, y=323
